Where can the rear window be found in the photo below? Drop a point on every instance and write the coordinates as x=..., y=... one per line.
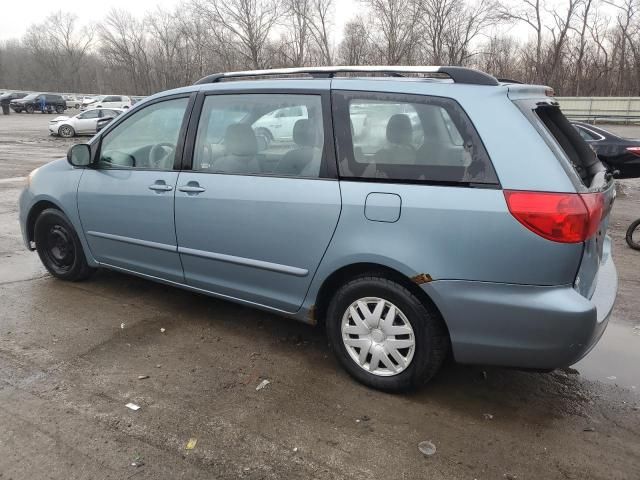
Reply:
x=410, y=138
x=580, y=154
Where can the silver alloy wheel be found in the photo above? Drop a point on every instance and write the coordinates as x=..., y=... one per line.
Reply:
x=378, y=336
x=66, y=131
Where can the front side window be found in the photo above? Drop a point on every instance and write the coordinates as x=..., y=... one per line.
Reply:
x=255, y=134
x=95, y=113
x=408, y=138
x=147, y=139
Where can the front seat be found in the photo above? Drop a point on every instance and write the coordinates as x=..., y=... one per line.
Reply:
x=299, y=160
x=399, y=137
x=241, y=148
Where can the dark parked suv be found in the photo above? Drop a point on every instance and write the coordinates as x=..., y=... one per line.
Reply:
x=42, y=102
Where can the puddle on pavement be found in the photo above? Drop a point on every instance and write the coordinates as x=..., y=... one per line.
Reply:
x=616, y=358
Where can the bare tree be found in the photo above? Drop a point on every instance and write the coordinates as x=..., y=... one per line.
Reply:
x=247, y=23
x=451, y=28
x=397, y=24
x=60, y=46
x=355, y=48
x=530, y=12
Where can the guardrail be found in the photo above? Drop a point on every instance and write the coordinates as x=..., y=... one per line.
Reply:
x=624, y=110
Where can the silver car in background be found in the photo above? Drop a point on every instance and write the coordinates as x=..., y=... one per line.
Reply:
x=84, y=123
x=413, y=215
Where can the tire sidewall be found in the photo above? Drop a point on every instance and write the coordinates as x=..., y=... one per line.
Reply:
x=62, y=129
x=629, y=237
x=46, y=220
x=416, y=314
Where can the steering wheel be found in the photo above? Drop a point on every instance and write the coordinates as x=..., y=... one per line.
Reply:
x=160, y=154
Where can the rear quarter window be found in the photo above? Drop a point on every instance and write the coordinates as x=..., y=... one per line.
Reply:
x=582, y=157
x=408, y=138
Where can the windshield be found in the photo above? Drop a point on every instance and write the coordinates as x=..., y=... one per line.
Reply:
x=31, y=96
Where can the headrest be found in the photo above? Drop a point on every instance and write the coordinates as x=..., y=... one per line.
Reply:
x=399, y=129
x=240, y=139
x=304, y=133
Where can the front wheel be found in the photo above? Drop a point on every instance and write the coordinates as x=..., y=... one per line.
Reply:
x=66, y=131
x=633, y=235
x=59, y=247
x=384, y=336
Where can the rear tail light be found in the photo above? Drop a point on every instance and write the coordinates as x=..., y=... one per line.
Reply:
x=559, y=217
x=634, y=150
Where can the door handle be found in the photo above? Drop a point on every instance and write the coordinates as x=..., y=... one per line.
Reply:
x=191, y=188
x=160, y=187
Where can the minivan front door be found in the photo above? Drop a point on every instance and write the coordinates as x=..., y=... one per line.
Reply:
x=126, y=201
x=253, y=221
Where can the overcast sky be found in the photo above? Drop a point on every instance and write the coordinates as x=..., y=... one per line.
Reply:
x=17, y=15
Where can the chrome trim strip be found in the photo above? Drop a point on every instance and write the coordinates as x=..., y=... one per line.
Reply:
x=195, y=289
x=247, y=262
x=135, y=241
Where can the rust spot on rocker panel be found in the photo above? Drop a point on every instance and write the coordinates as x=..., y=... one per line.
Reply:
x=421, y=278
x=312, y=315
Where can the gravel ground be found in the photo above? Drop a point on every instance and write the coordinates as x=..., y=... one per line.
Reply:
x=71, y=355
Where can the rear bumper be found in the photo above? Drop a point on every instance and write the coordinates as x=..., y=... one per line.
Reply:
x=524, y=326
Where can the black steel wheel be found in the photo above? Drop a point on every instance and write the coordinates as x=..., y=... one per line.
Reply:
x=59, y=247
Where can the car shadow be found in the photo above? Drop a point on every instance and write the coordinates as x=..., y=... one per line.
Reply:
x=481, y=393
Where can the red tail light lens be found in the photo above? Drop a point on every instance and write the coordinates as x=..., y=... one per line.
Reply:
x=634, y=150
x=559, y=217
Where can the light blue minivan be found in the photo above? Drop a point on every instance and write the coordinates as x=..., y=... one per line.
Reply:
x=413, y=211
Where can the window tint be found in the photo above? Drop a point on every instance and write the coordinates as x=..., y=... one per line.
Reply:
x=261, y=134
x=95, y=113
x=147, y=139
x=409, y=138
x=111, y=99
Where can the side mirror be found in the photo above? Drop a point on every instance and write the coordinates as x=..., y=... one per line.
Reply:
x=79, y=155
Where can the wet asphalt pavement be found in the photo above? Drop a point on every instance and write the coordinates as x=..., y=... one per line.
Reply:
x=71, y=355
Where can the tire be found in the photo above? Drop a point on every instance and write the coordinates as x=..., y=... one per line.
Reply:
x=59, y=109
x=427, y=332
x=76, y=106
x=630, y=231
x=266, y=133
x=66, y=131
x=59, y=247
x=29, y=109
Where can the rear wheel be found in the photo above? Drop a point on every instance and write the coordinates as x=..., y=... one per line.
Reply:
x=59, y=109
x=59, y=247
x=384, y=336
x=29, y=108
x=633, y=235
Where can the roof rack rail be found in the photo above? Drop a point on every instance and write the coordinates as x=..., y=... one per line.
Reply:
x=457, y=74
x=509, y=80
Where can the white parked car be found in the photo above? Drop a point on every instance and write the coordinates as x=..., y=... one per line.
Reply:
x=278, y=125
x=114, y=101
x=84, y=123
x=90, y=102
